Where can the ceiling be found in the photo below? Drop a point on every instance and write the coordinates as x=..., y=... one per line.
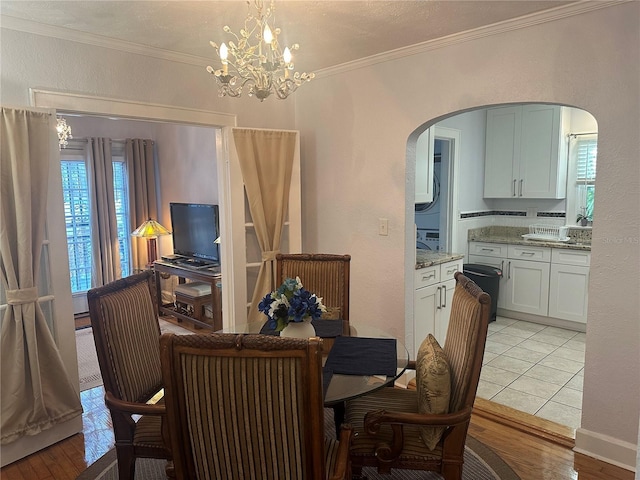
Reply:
x=329, y=32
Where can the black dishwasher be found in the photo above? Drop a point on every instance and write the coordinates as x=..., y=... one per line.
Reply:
x=488, y=279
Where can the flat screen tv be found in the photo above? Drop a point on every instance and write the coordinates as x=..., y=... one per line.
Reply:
x=194, y=228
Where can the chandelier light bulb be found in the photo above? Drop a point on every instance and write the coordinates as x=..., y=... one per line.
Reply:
x=286, y=56
x=224, y=52
x=267, y=35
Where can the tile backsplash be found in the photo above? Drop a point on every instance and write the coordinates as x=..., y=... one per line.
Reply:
x=578, y=234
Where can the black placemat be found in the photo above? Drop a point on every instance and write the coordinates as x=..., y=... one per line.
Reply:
x=324, y=328
x=363, y=356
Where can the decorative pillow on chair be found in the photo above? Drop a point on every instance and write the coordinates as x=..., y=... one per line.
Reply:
x=433, y=380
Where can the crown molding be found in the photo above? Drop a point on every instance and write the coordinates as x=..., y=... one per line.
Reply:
x=578, y=8
x=519, y=23
x=36, y=28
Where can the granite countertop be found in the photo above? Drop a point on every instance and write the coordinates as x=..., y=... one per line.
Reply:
x=579, y=239
x=428, y=258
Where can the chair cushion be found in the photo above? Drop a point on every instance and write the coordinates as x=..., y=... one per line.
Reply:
x=148, y=432
x=392, y=400
x=433, y=380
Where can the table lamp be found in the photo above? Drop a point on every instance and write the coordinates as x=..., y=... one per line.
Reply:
x=150, y=230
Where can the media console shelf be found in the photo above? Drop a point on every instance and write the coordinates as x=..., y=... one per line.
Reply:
x=210, y=275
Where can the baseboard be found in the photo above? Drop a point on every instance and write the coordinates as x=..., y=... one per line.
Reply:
x=524, y=422
x=548, y=321
x=607, y=449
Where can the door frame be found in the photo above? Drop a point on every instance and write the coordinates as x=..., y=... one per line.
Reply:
x=128, y=109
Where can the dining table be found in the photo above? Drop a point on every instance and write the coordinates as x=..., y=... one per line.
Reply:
x=353, y=365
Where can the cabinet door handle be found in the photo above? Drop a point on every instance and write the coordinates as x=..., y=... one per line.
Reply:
x=502, y=266
x=529, y=254
x=509, y=271
x=439, y=306
x=444, y=304
x=486, y=249
x=451, y=271
x=521, y=186
x=514, y=187
x=427, y=277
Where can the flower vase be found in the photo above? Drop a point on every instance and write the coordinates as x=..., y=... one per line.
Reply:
x=303, y=329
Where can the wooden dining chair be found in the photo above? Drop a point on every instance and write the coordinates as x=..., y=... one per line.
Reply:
x=126, y=333
x=326, y=275
x=426, y=429
x=249, y=407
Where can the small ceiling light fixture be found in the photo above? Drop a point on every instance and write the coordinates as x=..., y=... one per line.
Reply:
x=64, y=133
x=256, y=60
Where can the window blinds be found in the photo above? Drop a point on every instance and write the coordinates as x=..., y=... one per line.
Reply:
x=587, y=149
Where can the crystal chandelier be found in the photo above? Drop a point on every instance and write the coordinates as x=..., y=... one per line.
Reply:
x=64, y=132
x=256, y=60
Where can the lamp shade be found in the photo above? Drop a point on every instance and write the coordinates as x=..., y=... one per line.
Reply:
x=150, y=229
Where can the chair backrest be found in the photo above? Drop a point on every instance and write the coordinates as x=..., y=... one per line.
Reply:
x=126, y=330
x=244, y=406
x=326, y=275
x=465, y=341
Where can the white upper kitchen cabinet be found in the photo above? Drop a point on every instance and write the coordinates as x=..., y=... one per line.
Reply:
x=424, y=166
x=525, y=154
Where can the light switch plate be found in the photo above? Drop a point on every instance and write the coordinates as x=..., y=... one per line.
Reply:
x=383, y=226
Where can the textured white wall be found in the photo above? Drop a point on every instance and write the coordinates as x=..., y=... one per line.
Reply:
x=354, y=127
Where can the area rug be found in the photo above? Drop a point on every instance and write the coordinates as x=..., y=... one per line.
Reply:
x=480, y=463
x=88, y=368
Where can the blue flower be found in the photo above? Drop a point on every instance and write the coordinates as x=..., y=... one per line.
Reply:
x=290, y=302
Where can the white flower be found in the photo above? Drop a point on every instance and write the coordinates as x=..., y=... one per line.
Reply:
x=276, y=303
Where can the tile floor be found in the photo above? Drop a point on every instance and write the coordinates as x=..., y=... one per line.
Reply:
x=535, y=369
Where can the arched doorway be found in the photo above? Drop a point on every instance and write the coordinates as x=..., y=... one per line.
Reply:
x=514, y=372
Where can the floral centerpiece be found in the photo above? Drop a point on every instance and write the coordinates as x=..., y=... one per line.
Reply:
x=291, y=302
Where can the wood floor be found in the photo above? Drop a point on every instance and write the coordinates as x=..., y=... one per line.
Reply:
x=524, y=447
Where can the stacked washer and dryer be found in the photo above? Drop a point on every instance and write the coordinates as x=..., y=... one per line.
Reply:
x=427, y=215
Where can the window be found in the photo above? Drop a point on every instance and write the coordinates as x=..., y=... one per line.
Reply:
x=583, y=151
x=587, y=150
x=75, y=194
x=77, y=213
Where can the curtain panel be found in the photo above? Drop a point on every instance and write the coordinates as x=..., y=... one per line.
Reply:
x=266, y=162
x=143, y=200
x=36, y=391
x=104, y=229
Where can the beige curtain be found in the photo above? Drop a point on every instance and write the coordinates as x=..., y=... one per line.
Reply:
x=36, y=391
x=139, y=157
x=104, y=230
x=266, y=162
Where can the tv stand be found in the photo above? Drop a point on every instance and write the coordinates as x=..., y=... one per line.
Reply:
x=207, y=272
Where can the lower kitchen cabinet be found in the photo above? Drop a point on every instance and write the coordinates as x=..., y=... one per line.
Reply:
x=527, y=287
x=542, y=281
x=569, y=286
x=426, y=301
x=432, y=301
